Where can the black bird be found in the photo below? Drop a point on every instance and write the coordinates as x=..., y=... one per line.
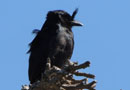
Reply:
x=54, y=41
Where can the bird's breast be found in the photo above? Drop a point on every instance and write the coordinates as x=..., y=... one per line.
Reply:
x=65, y=38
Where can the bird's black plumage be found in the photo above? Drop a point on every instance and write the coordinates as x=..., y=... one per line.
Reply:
x=54, y=41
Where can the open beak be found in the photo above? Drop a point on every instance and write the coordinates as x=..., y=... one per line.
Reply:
x=76, y=23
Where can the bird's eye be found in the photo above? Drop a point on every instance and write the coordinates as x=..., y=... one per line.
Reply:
x=67, y=17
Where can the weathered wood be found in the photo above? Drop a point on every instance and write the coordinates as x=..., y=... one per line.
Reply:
x=56, y=78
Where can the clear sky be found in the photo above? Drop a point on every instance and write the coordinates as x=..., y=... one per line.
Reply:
x=104, y=39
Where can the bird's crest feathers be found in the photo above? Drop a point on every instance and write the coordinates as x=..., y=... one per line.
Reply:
x=74, y=13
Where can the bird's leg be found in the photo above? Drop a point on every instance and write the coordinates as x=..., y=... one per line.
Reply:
x=48, y=64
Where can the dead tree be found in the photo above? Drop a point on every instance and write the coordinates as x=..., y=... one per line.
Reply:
x=56, y=78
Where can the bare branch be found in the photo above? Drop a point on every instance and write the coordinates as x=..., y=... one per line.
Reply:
x=84, y=74
x=56, y=78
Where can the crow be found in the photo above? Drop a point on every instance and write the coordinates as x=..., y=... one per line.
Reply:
x=55, y=41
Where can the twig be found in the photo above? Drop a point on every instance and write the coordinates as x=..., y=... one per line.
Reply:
x=79, y=86
x=84, y=74
x=76, y=67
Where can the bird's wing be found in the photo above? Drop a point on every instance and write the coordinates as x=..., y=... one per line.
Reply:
x=38, y=54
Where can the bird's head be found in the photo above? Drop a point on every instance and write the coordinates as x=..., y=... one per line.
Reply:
x=62, y=17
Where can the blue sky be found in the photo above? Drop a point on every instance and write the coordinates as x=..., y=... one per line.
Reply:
x=104, y=39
